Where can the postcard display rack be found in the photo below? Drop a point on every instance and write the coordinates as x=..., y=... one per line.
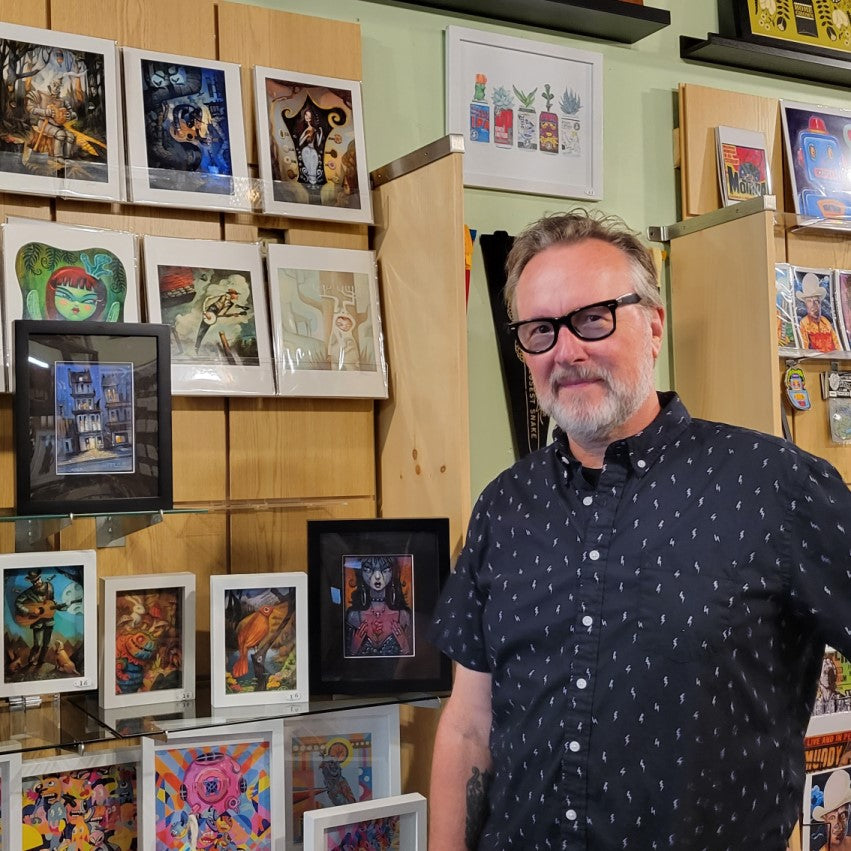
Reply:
x=250, y=472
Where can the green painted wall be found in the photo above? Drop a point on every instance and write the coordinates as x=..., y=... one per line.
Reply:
x=403, y=91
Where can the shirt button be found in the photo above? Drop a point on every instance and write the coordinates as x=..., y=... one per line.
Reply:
x=574, y=746
x=641, y=464
x=587, y=620
x=587, y=500
x=571, y=815
x=581, y=683
x=594, y=555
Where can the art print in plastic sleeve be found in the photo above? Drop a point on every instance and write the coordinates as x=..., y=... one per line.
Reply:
x=842, y=303
x=743, y=166
x=814, y=311
x=788, y=340
x=827, y=809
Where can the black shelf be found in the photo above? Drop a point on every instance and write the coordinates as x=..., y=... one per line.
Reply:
x=779, y=61
x=611, y=20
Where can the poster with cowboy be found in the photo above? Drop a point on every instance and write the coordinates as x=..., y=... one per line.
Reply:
x=814, y=310
x=827, y=807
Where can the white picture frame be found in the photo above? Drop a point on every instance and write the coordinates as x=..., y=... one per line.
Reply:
x=176, y=761
x=10, y=799
x=79, y=79
x=212, y=353
x=32, y=663
x=46, y=258
x=311, y=168
x=147, y=649
x=185, y=132
x=557, y=152
x=326, y=322
x=323, y=827
x=107, y=780
x=251, y=629
x=364, y=742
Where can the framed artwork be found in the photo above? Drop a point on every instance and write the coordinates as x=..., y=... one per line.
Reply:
x=147, y=628
x=818, y=151
x=531, y=113
x=81, y=801
x=311, y=146
x=743, y=168
x=398, y=822
x=373, y=588
x=326, y=322
x=49, y=623
x=815, y=316
x=92, y=417
x=212, y=297
x=826, y=798
x=60, y=130
x=259, y=639
x=220, y=786
x=55, y=271
x=338, y=758
x=10, y=800
x=185, y=133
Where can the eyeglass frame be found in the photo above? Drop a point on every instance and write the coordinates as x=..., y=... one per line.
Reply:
x=559, y=322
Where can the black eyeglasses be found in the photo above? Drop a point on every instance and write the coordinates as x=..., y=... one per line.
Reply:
x=592, y=322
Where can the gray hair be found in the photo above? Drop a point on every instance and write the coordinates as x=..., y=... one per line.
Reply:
x=577, y=226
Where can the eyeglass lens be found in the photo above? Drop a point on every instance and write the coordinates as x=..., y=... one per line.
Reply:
x=589, y=323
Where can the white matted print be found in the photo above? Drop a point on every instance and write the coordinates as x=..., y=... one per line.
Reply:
x=212, y=297
x=311, y=146
x=60, y=108
x=326, y=322
x=531, y=113
x=10, y=801
x=81, y=801
x=258, y=632
x=147, y=629
x=335, y=758
x=49, y=622
x=225, y=784
x=185, y=132
x=398, y=822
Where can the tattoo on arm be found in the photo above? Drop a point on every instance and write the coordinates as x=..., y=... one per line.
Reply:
x=477, y=806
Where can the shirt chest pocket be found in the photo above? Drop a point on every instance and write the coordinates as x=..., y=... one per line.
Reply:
x=684, y=614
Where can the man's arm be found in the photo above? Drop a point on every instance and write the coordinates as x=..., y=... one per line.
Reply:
x=461, y=767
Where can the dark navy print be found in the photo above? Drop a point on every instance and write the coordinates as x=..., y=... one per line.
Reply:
x=654, y=642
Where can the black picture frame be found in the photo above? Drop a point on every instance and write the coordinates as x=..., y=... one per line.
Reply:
x=105, y=445
x=392, y=653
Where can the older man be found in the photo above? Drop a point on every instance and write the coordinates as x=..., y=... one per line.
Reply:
x=640, y=611
x=835, y=810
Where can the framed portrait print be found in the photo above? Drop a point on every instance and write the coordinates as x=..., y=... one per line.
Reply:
x=63, y=272
x=373, y=588
x=826, y=796
x=224, y=784
x=259, y=639
x=49, y=622
x=335, y=758
x=60, y=130
x=10, y=800
x=147, y=628
x=326, y=322
x=185, y=133
x=81, y=801
x=311, y=146
x=397, y=822
x=531, y=113
x=92, y=417
x=212, y=297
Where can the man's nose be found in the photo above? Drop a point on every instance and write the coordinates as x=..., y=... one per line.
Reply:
x=568, y=348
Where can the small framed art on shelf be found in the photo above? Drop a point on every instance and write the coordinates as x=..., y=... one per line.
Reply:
x=373, y=588
x=400, y=822
x=49, y=622
x=147, y=628
x=92, y=417
x=259, y=639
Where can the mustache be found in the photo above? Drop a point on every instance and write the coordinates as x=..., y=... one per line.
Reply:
x=580, y=372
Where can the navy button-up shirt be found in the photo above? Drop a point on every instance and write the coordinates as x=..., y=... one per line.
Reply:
x=654, y=642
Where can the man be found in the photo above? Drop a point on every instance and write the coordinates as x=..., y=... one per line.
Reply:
x=35, y=607
x=834, y=811
x=817, y=331
x=641, y=607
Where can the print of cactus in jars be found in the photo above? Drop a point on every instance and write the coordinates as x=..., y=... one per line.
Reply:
x=503, y=117
x=570, y=104
x=527, y=130
x=548, y=124
x=480, y=112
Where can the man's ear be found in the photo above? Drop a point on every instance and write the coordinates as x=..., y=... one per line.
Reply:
x=657, y=329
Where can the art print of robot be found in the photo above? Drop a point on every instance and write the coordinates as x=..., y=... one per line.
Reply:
x=53, y=112
x=43, y=623
x=313, y=145
x=187, y=133
x=214, y=797
x=85, y=808
x=329, y=771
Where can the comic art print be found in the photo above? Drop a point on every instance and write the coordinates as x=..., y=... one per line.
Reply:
x=59, y=108
x=827, y=809
x=786, y=310
x=95, y=418
x=311, y=146
x=842, y=302
x=379, y=605
x=815, y=316
x=77, y=803
x=832, y=706
x=743, y=166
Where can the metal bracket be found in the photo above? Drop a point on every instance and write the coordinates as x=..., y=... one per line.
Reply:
x=31, y=533
x=112, y=529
